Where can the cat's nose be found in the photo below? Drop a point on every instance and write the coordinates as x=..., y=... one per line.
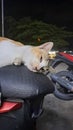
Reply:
x=36, y=68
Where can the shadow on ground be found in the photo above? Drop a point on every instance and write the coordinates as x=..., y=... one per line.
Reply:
x=57, y=115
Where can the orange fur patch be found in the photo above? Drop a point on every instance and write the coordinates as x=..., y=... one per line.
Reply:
x=17, y=43
x=12, y=41
x=36, y=51
x=39, y=52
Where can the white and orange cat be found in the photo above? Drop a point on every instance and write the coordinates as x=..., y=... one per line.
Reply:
x=13, y=52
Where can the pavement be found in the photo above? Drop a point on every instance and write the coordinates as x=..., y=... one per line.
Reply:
x=57, y=115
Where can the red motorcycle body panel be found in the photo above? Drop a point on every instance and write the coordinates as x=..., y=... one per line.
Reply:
x=67, y=56
x=8, y=106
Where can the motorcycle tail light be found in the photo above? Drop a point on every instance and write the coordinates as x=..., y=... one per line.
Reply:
x=8, y=106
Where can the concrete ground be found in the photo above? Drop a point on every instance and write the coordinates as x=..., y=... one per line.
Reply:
x=57, y=115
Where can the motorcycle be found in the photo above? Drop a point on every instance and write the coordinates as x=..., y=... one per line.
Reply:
x=22, y=94
x=63, y=61
x=63, y=75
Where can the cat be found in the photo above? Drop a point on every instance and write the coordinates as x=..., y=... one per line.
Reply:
x=33, y=57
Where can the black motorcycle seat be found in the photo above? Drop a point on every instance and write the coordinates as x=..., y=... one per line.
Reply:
x=19, y=82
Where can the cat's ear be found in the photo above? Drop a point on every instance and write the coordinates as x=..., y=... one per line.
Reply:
x=47, y=46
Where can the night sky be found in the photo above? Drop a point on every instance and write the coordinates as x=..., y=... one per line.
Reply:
x=59, y=12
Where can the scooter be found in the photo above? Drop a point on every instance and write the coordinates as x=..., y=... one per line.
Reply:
x=22, y=94
x=63, y=76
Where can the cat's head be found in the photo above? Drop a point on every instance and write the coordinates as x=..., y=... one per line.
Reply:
x=37, y=57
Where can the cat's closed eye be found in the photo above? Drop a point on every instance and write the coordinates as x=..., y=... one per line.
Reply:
x=41, y=58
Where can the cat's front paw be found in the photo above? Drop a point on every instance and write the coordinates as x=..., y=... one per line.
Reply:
x=17, y=61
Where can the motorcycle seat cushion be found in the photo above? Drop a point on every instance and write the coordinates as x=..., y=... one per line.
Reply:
x=19, y=82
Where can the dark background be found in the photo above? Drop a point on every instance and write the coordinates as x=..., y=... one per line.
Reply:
x=55, y=12
x=58, y=12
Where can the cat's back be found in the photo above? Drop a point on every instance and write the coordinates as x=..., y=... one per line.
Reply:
x=8, y=42
x=6, y=46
